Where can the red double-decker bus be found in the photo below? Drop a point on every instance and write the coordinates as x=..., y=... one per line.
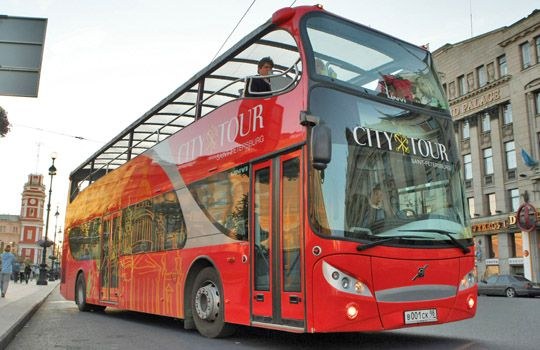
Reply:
x=332, y=203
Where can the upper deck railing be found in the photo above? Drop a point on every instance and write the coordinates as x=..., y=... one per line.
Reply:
x=220, y=82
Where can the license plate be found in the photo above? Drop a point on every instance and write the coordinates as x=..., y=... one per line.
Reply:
x=420, y=316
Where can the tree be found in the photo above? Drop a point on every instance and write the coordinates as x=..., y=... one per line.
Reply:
x=4, y=122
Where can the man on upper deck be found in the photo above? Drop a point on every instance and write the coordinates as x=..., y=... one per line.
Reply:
x=257, y=87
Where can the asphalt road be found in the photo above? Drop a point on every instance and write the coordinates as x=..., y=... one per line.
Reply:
x=501, y=323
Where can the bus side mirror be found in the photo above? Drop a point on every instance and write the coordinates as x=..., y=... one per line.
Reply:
x=321, y=146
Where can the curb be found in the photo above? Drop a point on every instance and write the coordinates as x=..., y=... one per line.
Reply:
x=23, y=318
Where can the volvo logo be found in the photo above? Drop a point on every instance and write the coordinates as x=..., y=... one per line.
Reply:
x=421, y=272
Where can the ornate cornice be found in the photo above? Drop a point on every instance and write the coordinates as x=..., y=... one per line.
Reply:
x=481, y=90
x=523, y=33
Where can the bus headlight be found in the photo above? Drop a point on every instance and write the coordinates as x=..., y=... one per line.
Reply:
x=343, y=282
x=468, y=281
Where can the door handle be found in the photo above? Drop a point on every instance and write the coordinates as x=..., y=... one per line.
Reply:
x=294, y=299
x=259, y=297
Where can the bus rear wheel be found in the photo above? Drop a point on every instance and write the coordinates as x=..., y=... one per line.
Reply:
x=207, y=305
x=80, y=294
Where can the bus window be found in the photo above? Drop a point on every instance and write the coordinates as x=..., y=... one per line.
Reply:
x=291, y=211
x=84, y=240
x=169, y=227
x=137, y=223
x=262, y=229
x=359, y=58
x=223, y=197
x=407, y=156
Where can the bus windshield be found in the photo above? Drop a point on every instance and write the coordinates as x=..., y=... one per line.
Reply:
x=347, y=53
x=393, y=172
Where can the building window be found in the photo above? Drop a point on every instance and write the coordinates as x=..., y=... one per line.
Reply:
x=481, y=76
x=537, y=102
x=507, y=114
x=462, y=85
x=503, y=67
x=488, y=161
x=492, y=204
x=513, y=194
x=510, y=150
x=466, y=130
x=490, y=72
x=29, y=235
x=516, y=244
x=452, y=90
x=493, y=246
x=486, y=123
x=525, y=54
x=470, y=201
x=537, y=44
x=467, y=164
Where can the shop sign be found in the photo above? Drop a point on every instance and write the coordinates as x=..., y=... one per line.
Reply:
x=476, y=102
x=515, y=261
x=494, y=225
x=492, y=261
x=526, y=217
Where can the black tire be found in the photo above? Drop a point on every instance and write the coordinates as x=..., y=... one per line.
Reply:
x=510, y=292
x=207, y=305
x=80, y=294
x=80, y=297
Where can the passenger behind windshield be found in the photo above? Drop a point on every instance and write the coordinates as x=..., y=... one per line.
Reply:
x=369, y=212
x=372, y=209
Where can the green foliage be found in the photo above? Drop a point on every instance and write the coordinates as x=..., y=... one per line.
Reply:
x=4, y=122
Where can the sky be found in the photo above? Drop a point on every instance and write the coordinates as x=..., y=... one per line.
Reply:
x=106, y=63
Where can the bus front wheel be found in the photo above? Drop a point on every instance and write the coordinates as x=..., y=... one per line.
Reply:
x=207, y=305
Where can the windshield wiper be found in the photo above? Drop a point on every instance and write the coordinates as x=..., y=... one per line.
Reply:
x=374, y=244
x=382, y=241
x=457, y=243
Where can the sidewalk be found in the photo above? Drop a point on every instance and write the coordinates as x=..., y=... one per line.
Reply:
x=20, y=303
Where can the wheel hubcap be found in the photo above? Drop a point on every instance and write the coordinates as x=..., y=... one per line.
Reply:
x=207, y=302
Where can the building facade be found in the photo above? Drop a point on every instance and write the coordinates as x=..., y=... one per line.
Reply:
x=10, y=228
x=492, y=82
x=23, y=231
x=32, y=205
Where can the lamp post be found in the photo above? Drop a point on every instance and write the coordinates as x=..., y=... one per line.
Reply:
x=53, y=255
x=42, y=281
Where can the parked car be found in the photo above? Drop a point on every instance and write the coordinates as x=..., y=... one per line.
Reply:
x=509, y=285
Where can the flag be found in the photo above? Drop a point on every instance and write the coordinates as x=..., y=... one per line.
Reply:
x=527, y=159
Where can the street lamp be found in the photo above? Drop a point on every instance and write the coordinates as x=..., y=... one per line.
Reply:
x=42, y=281
x=53, y=255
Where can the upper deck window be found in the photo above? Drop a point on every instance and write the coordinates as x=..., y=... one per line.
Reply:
x=372, y=62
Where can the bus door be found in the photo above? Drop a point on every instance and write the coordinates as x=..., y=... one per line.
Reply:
x=278, y=297
x=108, y=270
